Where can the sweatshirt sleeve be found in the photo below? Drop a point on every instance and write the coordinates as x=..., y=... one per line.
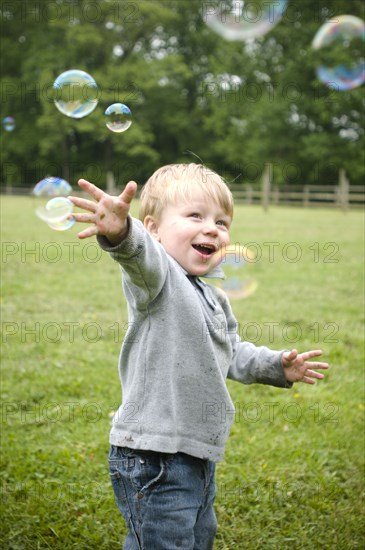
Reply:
x=143, y=261
x=253, y=364
x=257, y=365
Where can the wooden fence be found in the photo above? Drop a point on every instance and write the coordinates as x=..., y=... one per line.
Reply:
x=307, y=195
x=341, y=196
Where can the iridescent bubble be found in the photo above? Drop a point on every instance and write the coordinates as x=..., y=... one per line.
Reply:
x=52, y=187
x=339, y=46
x=56, y=213
x=239, y=20
x=75, y=93
x=237, y=263
x=118, y=117
x=9, y=123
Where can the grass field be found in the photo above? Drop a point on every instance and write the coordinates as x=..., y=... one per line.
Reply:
x=293, y=474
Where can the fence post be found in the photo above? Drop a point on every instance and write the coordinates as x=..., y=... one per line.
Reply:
x=343, y=190
x=266, y=185
x=306, y=195
x=110, y=183
x=249, y=194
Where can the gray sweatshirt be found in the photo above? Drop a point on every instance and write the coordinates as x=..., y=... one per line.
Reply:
x=180, y=347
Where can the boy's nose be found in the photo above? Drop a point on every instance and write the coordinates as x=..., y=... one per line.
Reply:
x=210, y=228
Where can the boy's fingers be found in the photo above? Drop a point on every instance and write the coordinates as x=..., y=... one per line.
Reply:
x=314, y=374
x=83, y=203
x=307, y=380
x=129, y=192
x=91, y=189
x=313, y=353
x=83, y=218
x=313, y=365
x=89, y=232
x=290, y=355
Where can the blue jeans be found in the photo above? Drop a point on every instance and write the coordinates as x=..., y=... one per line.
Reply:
x=166, y=499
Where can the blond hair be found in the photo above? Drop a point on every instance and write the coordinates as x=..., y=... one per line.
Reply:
x=178, y=182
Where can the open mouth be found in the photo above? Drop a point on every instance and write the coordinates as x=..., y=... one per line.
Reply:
x=205, y=249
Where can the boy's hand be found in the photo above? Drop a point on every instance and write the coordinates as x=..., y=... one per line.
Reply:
x=297, y=369
x=108, y=215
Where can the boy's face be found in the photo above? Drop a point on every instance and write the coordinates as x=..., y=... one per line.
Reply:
x=193, y=233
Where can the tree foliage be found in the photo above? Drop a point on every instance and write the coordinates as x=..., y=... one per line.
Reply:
x=235, y=105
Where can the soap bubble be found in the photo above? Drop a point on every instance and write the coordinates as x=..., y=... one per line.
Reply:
x=237, y=263
x=9, y=123
x=118, y=117
x=239, y=20
x=76, y=93
x=339, y=45
x=56, y=213
x=52, y=187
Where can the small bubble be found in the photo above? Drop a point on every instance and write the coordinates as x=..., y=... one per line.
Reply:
x=118, y=117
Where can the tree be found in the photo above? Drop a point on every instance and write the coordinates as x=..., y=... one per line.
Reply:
x=235, y=105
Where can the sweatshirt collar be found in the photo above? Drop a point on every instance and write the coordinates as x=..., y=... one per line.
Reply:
x=215, y=273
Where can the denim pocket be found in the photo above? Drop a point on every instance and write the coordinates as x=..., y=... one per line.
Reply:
x=134, y=472
x=118, y=466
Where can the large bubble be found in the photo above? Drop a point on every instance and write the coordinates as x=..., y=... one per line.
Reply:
x=237, y=264
x=118, y=117
x=339, y=45
x=239, y=20
x=75, y=93
x=56, y=213
x=52, y=187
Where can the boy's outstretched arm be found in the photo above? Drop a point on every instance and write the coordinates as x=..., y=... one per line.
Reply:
x=297, y=368
x=107, y=214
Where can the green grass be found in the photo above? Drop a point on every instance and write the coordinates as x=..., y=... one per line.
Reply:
x=293, y=470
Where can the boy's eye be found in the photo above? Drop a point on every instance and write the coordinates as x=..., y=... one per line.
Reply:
x=223, y=223
x=195, y=215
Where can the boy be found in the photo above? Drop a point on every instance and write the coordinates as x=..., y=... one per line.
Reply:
x=181, y=346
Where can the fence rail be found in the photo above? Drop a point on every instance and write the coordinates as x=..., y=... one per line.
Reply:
x=306, y=196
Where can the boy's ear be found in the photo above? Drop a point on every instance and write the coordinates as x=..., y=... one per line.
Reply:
x=151, y=227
